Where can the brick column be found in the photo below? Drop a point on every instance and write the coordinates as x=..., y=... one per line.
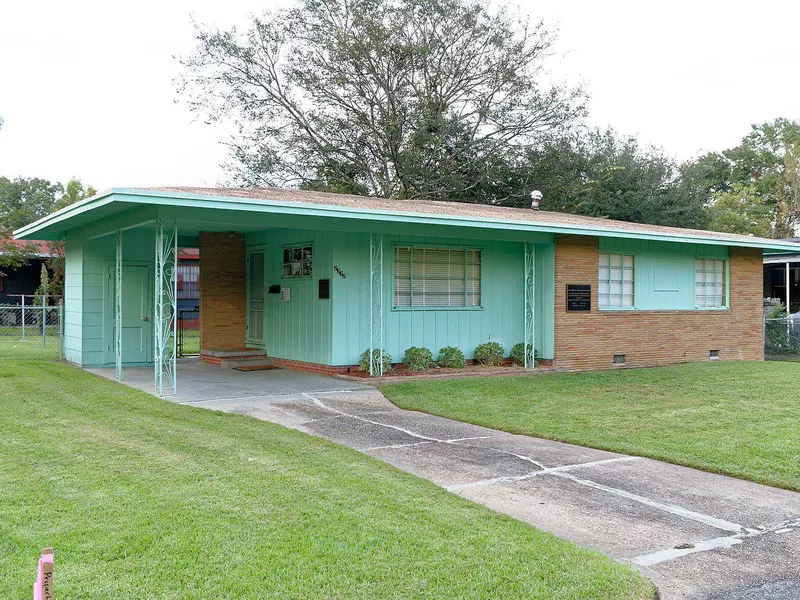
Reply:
x=222, y=291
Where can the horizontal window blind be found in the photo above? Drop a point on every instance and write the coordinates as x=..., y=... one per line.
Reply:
x=437, y=277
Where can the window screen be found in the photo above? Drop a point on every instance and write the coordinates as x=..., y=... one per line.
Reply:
x=297, y=261
x=437, y=277
x=709, y=284
x=615, y=285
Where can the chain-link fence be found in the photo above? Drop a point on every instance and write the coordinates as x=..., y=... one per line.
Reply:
x=189, y=332
x=782, y=339
x=32, y=329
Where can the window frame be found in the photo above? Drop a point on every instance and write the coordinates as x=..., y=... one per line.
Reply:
x=609, y=307
x=292, y=248
x=726, y=287
x=417, y=246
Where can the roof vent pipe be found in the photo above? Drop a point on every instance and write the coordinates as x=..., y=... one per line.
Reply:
x=536, y=195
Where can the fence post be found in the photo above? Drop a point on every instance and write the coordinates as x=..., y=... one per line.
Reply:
x=61, y=329
x=44, y=323
x=23, y=318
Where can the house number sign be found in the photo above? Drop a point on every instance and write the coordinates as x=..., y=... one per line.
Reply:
x=339, y=272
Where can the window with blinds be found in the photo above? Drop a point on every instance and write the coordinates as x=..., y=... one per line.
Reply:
x=710, y=284
x=437, y=277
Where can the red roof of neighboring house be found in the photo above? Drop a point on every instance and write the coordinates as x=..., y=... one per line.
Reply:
x=40, y=248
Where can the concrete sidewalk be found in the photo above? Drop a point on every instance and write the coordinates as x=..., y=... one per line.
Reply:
x=695, y=534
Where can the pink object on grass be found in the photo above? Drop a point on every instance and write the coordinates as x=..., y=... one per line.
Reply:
x=43, y=588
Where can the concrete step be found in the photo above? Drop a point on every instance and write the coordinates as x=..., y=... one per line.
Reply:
x=234, y=353
x=234, y=363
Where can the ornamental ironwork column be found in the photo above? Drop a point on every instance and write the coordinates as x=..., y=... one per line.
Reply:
x=530, y=305
x=165, y=313
x=118, y=307
x=376, y=304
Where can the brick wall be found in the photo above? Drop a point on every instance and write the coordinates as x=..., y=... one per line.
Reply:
x=222, y=291
x=589, y=340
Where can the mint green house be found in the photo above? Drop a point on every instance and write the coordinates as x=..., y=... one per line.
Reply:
x=312, y=280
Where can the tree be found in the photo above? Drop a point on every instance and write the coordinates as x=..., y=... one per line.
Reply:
x=765, y=167
x=23, y=201
x=740, y=210
x=397, y=98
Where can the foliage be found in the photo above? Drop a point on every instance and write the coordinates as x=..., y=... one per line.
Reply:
x=517, y=354
x=341, y=524
x=13, y=254
x=396, y=98
x=451, y=357
x=777, y=311
x=417, y=359
x=25, y=200
x=363, y=361
x=678, y=414
x=43, y=290
x=740, y=210
x=489, y=353
x=767, y=164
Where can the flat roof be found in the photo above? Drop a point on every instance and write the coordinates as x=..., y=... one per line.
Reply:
x=303, y=202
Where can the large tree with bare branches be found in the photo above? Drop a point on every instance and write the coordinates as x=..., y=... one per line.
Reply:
x=396, y=98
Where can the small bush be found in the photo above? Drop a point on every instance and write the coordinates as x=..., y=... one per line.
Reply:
x=417, y=359
x=518, y=354
x=363, y=362
x=452, y=357
x=489, y=353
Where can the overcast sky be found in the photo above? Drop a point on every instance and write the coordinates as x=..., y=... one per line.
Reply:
x=86, y=88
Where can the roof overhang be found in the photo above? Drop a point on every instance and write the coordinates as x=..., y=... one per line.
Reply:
x=118, y=200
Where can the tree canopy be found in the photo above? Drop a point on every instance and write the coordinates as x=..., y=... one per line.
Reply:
x=25, y=200
x=396, y=98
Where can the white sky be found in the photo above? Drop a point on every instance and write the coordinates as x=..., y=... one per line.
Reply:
x=86, y=88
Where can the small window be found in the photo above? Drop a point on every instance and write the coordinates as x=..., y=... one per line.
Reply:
x=437, y=277
x=713, y=354
x=619, y=359
x=615, y=289
x=297, y=261
x=710, y=285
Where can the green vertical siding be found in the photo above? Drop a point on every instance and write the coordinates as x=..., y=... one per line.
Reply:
x=664, y=272
x=301, y=328
x=500, y=319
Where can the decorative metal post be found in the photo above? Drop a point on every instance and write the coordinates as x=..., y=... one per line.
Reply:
x=376, y=304
x=530, y=305
x=118, y=307
x=165, y=314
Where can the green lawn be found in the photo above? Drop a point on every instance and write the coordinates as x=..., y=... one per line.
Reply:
x=31, y=348
x=738, y=418
x=142, y=498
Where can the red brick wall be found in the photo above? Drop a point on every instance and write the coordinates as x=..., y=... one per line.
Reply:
x=589, y=340
x=222, y=291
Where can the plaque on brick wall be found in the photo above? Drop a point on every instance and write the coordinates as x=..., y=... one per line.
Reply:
x=579, y=297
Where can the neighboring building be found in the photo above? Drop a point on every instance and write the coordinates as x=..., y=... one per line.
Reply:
x=24, y=280
x=782, y=278
x=188, y=279
x=315, y=279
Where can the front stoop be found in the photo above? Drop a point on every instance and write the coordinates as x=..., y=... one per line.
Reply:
x=232, y=358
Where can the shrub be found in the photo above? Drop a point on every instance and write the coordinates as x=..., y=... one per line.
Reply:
x=518, y=354
x=452, y=357
x=417, y=359
x=363, y=362
x=489, y=353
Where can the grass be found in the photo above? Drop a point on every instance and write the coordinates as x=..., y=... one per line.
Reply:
x=737, y=418
x=31, y=348
x=143, y=498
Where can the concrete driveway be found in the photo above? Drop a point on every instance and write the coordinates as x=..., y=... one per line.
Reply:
x=695, y=534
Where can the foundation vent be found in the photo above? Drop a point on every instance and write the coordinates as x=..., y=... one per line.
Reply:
x=619, y=359
x=713, y=354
